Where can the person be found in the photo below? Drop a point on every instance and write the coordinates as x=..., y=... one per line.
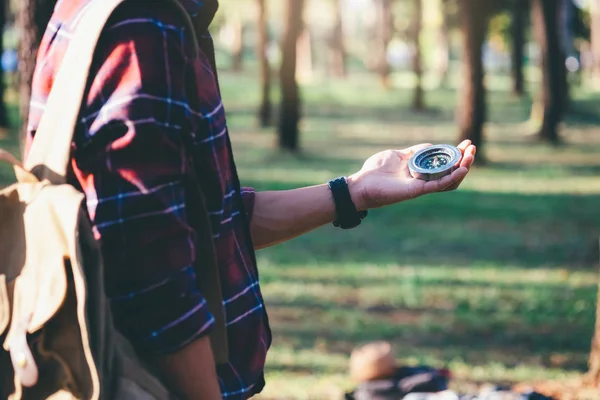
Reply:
x=148, y=92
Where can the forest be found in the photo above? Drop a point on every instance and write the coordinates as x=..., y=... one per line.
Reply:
x=498, y=281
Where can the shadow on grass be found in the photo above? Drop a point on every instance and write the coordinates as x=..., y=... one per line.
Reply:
x=461, y=228
x=577, y=170
x=479, y=319
x=474, y=339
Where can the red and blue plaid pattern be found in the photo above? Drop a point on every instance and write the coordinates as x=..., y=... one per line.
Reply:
x=148, y=90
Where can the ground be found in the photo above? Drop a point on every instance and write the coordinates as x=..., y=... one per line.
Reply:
x=497, y=281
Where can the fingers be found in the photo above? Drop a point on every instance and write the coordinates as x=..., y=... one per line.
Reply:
x=466, y=162
x=468, y=157
x=446, y=182
x=453, y=181
x=464, y=145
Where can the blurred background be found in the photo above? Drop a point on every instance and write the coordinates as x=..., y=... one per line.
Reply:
x=497, y=281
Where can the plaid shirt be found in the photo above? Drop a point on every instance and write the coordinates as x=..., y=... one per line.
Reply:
x=147, y=90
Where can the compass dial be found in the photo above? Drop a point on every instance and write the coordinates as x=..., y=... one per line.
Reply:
x=435, y=162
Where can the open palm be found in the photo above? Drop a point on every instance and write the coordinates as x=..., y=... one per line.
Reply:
x=385, y=177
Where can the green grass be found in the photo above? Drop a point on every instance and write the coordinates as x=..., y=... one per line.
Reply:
x=497, y=281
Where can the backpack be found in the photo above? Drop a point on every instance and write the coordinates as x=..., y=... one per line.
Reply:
x=56, y=331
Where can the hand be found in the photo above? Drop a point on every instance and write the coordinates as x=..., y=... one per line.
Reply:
x=385, y=178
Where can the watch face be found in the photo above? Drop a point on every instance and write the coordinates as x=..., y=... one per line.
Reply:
x=435, y=162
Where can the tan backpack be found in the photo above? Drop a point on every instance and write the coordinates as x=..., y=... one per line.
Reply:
x=56, y=330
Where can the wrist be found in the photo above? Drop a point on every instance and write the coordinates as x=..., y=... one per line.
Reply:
x=356, y=190
x=347, y=214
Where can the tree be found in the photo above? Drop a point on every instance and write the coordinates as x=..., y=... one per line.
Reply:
x=304, y=56
x=385, y=23
x=290, y=96
x=33, y=17
x=418, y=102
x=443, y=39
x=595, y=38
x=3, y=114
x=593, y=376
x=265, y=109
x=565, y=19
x=471, y=112
x=237, y=50
x=338, y=50
x=519, y=17
x=544, y=14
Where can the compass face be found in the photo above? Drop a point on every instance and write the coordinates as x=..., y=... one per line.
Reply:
x=435, y=162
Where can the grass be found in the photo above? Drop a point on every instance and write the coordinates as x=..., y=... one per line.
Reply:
x=497, y=281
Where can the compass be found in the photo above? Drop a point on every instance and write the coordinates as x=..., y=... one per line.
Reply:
x=434, y=162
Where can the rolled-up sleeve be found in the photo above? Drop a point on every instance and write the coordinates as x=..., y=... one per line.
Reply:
x=248, y=198
x=130, y=160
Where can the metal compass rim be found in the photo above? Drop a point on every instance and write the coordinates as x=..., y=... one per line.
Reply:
x=452, y=154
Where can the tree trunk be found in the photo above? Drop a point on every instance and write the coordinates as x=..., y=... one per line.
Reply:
x=33, y=17
x=418, y=102
x=304, y=56
x=472, y=105
x=595, y=39
x=265, y=110
x=338, y=50
x=237, y=51
x=384, y=37
x=3, y=114
x=519, y=23
x=443, y=51
x=544, y=15
x=290, y=96
x=565, y=26
x=593, y=375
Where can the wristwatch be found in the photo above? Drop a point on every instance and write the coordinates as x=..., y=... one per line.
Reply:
x=347, y=216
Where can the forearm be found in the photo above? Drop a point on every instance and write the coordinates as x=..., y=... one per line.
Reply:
x=283, y=215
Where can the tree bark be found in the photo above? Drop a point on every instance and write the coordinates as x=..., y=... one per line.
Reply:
x=544, y=14
x=290, y=96
x=338, y=50
x=443, y=50
x=3, y=114
x=474, y=17
x=593, y=375
x=265, y=109
x=595, y=39
x=519, y=23
x=384, y=37
x=33, y=17
x=418, y=101
x=304, y=56
x=565, y=34
x=237, y=51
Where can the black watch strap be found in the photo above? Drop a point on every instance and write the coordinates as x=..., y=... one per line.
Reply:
x=347, y=216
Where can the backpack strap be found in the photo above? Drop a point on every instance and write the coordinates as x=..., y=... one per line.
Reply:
x=50, y=151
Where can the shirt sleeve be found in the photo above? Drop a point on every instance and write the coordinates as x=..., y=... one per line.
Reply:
x=249, y=198
x=130, y=160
